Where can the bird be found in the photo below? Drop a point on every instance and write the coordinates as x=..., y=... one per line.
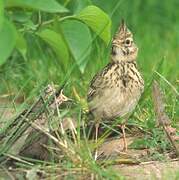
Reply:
x=116, y=89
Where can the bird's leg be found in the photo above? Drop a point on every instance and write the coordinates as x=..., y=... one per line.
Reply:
x=96, y=139
x=123, y=126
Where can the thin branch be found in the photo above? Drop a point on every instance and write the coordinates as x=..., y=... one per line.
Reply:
x=45, y=23
x=162, y=117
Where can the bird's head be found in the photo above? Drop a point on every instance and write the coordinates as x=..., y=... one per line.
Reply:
x=123, y=46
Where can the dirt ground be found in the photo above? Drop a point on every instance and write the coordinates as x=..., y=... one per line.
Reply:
x=152, y=170
x=127, y=164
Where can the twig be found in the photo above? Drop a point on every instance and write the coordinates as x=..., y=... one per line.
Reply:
x=45, y=23
x=19, y=126
x=18, y=159
x=162, y=117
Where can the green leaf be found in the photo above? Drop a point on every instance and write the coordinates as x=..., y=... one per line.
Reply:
x=57, y=43
x=77, y=5
x=1, y=13
x=51, y=6
x=98, y=21
x=21, y=45
x=7, y=40
x=79, y=41
x=20, y=16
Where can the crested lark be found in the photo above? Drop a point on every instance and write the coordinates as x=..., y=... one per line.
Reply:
x=116, y=89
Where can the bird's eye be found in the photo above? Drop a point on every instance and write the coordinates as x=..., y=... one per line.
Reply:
x=127, y=42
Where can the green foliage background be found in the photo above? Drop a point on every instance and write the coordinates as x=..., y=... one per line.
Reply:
x=68, y=41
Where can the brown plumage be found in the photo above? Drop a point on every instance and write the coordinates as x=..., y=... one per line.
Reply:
x=116, y=89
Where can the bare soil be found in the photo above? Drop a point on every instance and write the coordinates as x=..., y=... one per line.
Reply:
x=129, y=164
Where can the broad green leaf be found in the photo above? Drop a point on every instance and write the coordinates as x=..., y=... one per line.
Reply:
x=7, y=40
x=81, y=4
x=21, y=45
x=57, y=43
x=1, y=13
x=98, y=21
x=51, y=6
x=77, y=5
x=20, y=16
x=79, y=41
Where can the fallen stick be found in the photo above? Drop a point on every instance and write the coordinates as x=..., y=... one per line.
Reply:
x=161, y=116
x=47, y=103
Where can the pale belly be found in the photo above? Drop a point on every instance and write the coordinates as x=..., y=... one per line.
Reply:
x=114, y=103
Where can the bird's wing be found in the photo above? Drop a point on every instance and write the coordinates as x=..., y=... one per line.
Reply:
x=95, y=86
x=98, y=83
